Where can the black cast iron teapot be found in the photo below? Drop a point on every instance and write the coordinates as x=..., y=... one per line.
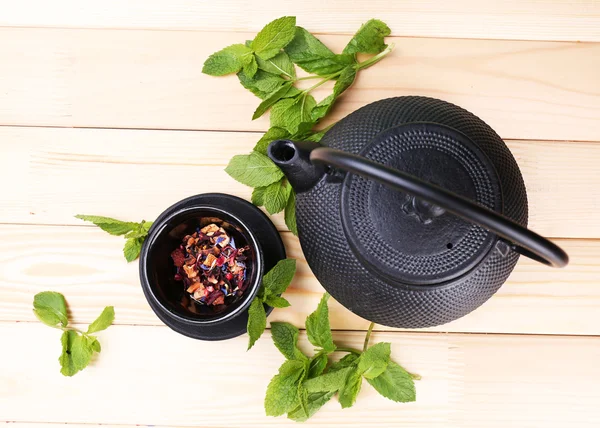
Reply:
x=415, y=212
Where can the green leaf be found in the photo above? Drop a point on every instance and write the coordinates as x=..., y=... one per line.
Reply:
x=348, y=361
x=318, y=328
x=226, y=61
x=285, y=337
x=146, y=225
x=289, y=113
x=279, y=64
x=66, y=361
x=110, y=225
x=350, y=389
x=329, y=382
x=290, y=213
x=310, y=54
x=257, y=321
x=277, y=280
x=317, y=365
x=255, y=170
x=315, y=401
x=50, y=308
x=262, y=84
x=345, y=80
x=132, y=248
x=369, y=38
x=276, y=301
x=276, y=196
x=271, y=135
x=316, y=137
x=322, y=108
x=282, y=392
x=104, y=320
x=250, y=66
x=374, y=360
x=95, y=345
x=395, y=383
x=274, y=37
x=258, y=196
x=77, y=352
x=271, y=99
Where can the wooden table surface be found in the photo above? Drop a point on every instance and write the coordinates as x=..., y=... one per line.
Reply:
x=102, y=102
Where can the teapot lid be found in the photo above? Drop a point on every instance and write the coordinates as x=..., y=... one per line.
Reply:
x=409, y=240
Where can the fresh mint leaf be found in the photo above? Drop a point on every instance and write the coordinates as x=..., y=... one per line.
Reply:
x=249, y=66
x=290, y=113
x=329, y=382
x=285, y=337
x=95, y=345
x=132, y=248
x=262, y=84
x=317, y=365
x=258, y=195
x=271, y=135
x=257, y=321
x=322, y=108
x=290, y=213
x=226, y=61
x=277, y=280
x=310, y=54
x=66, y=361
x=280, y=64
x=271, y=99
x=348, y=361
x=50, y=308
x=276, y=196
x=315, y=401
x=110, y=225
x=104, y=320
x=274, y=37
x=349, y=391
x=369, y=38
x=345, y=80
x=374, y=360
x=318, y=328
x=77, y=352
x=276, y=301
x=316, y=137
x=395, y=383
x=255, y=170
x=282, y=392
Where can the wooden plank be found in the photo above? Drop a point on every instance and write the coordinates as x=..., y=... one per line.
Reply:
x=137, y=174
x=87, y=266
x=528, y=19
x=150, y=375
x=152, y=79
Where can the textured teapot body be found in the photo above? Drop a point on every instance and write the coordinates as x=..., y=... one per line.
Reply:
x=379, y=253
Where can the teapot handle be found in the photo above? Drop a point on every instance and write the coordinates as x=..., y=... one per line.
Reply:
x=523, y=240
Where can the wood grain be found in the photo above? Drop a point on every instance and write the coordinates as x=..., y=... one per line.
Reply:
x=57, y=173
x=87, y=266
x=150, y=375
x=152, y=79
x=526, y=19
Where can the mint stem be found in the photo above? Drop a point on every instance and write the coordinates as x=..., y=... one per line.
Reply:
x=350, y=350
x=374, y=60
x=368, y=336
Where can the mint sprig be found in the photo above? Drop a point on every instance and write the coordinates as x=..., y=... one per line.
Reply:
x=265, y=66
x=134, y=233
x=274, y=283
x=305, y=384
x=78, y=346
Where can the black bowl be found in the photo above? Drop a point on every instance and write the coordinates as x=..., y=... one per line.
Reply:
x=168, y=298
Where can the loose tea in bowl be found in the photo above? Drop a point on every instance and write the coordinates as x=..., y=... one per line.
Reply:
x=211, y=265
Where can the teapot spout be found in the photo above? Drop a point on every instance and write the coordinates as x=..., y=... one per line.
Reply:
x=294, y=160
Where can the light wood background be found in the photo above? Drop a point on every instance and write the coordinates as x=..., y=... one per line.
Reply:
x=102, y=101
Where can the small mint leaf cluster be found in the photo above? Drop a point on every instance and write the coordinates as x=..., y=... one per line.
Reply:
x=78, y=346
